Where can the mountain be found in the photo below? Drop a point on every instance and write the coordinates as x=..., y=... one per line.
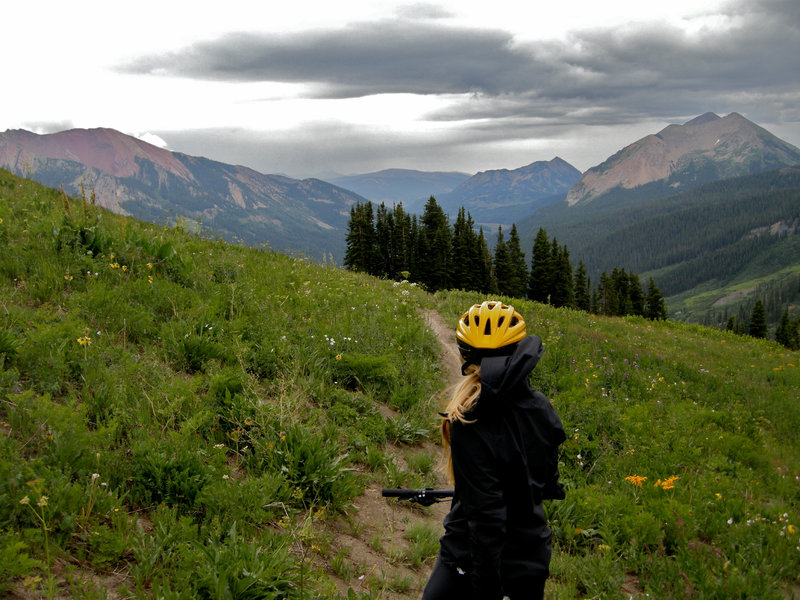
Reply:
x=679, y=157
x=132, y=177
x=393, y=186
x=503, y=195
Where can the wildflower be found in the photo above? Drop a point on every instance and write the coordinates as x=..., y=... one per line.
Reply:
x=791, y=529
x=25, y=500
x=68, y=277
x=149, y=265
x=124, y=267
x=85, y=340
x=95, y=476
x=636, y=480
x=718, y=495
x=338, y=357
x=149, y=279
x=111, y=256
x=668, y=483
x=282, y=436
x=42, y=502
x=226, y=476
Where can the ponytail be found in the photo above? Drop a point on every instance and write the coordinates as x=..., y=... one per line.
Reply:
x=462, y=402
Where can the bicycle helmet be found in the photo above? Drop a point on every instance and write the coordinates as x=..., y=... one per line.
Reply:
x=488, y=328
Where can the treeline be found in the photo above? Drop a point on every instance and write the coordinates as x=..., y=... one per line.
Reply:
x=787, y=331
x=392, y=243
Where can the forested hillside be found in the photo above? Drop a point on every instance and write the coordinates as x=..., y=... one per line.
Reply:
x=718, y=234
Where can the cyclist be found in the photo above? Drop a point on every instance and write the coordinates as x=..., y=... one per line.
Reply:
x=502, y=438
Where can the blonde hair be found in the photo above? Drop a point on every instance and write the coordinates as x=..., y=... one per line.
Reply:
x=462, y=401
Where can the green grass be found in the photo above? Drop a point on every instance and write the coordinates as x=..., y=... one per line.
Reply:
x=199, y=419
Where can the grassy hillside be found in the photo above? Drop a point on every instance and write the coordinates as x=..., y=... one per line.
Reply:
x=182, y=418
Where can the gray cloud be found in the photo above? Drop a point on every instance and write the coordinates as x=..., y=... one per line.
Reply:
x=361, y=59
x=530, y=92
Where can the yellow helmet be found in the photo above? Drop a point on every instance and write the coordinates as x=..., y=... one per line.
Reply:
x=490, y=325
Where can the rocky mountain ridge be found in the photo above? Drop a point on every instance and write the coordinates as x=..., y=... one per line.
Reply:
x=130, y=176
x=704, y=149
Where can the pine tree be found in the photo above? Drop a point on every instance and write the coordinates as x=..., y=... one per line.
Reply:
x=655, y=307
x=502, y=264
x=360, y=239
x=636, y=295
x=384, y=250
x=517, y=285
x=434, y=251
x=758, y=320
x=783, y=334
x=487, y=283
x=403, y=242
x=583, y=299
x=539, y=282
x=561, y=286
x=461, y=258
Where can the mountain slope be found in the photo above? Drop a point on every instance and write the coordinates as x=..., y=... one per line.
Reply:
x=679, y=157
x=503, y=195
x=134, y=178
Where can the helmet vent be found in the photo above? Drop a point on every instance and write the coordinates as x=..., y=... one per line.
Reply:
x=487, y=330
x=500, y=321
x=514, y=321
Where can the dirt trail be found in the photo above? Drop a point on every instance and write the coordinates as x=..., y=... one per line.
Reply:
x=449, y=356
x=374, y=533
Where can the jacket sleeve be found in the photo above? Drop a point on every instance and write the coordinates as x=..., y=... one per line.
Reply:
x=477, y=476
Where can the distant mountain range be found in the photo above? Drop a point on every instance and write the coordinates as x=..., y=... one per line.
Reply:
x=678, y=180
x=406, y=186
x=505, y=196
x=499, y=196
x=132, y=177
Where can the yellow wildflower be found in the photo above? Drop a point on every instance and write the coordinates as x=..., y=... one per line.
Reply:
x=124, y=267
x=149, y=279
x=338, y=357
x=25, y=500
x=149, y=265
x=636, y=480
x=791, y=529
x=42, y=502
x=85, y=340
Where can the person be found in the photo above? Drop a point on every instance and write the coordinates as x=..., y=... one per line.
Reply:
x=501, y=438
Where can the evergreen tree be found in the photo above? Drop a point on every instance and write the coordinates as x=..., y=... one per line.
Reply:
x=384, y=250
x=539, y=283
x=434, y=247
x=561, y=286
x=583, y=299
x=784, y=334
x=502, y=264
x=758, y=320
x=655, y=307
x=462, y=257
x=517, y=284
x=636, y=295
x=487, y=283
x=403, y=242
x=360, y=239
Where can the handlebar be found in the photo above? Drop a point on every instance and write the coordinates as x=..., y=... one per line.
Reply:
x=425, y=497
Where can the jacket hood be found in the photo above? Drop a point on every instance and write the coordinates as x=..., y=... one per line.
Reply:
x=500, y=374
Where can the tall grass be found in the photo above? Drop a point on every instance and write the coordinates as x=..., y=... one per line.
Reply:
x=183, y=404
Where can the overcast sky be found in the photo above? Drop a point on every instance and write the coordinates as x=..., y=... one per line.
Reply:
x=354, y=86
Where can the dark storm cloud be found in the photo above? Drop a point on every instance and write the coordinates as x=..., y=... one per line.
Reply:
x=363, y=59
x=623, y=67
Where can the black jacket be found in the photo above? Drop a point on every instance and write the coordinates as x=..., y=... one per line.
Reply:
x=505, y=464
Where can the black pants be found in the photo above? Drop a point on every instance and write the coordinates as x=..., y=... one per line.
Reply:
x=446, y=583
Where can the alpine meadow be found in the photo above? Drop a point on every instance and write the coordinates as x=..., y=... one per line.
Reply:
x=185, y=418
